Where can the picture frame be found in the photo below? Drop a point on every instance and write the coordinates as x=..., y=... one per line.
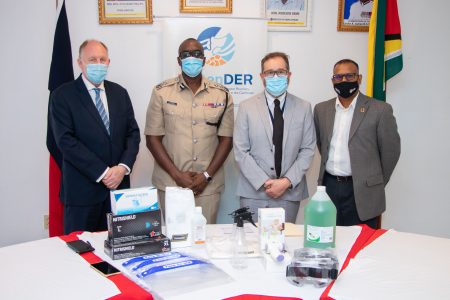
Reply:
x=206, y=6
x=125, y=12
x=288, y=15
x=354, y=15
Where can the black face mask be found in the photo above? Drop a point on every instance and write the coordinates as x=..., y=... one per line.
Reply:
x=346, y=89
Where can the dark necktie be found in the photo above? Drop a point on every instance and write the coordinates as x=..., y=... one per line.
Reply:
x=101, y=108
x=277, y=138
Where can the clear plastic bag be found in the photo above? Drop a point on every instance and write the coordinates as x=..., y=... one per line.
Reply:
x=172, y=273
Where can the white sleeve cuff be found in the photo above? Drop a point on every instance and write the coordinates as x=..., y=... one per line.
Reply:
x=126, y=167
x=103, y=175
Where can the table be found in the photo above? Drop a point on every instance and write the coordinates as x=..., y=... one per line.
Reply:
x=376, y=265
x=48, y=269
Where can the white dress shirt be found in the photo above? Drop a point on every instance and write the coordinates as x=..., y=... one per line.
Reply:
x=270, y=99
x=338, y=162
x=90, y=87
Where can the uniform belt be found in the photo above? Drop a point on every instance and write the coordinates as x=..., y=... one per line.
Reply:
x=339, y=178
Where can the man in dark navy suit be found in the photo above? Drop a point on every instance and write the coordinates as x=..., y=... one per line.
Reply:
x=95, y=129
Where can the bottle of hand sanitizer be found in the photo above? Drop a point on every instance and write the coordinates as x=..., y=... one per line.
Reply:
x=198, y=227
x=320, y=221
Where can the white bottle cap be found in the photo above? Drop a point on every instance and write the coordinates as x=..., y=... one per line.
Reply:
x=320, y=188
x=198, y=209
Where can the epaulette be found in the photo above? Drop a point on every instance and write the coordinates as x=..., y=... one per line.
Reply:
x=167, y=82
x=218, y=86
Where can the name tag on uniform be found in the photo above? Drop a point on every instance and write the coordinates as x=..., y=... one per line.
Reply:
x=171, y=103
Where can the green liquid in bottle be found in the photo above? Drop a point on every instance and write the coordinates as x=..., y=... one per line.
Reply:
x=320, y=221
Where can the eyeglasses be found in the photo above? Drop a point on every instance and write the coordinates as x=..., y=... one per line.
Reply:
x=272, y=73
x=348, y=77
x=193, y=53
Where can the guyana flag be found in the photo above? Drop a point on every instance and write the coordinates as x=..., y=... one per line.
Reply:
x=385, y=47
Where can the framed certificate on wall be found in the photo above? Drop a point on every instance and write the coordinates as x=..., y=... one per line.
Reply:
x=125, y=11
x=288, y=15
x=206, y=6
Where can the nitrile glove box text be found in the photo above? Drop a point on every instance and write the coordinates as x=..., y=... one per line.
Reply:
x=138, y=248
x=131, y=201
x=134, y=227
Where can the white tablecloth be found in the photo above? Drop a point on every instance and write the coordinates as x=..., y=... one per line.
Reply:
x=254, y=279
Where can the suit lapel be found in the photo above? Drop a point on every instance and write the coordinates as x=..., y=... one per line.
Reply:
x=362, y=104
x=263, y=112
x=287, y=115
x=330, y=114
x=87, y=102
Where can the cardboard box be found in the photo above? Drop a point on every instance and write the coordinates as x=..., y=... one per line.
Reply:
x=132, y=201
x=138, y=248
x=134, y=227
x=271, y=227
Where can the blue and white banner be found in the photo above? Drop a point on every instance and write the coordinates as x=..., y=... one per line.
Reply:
x=231, y=59
x=233, y=50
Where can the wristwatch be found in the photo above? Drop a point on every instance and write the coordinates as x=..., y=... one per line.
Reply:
x=208, y=178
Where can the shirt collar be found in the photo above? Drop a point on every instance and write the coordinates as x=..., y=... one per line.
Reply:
x=90, y=86
x=271, y=98
x=183, y=85
x=351, y=106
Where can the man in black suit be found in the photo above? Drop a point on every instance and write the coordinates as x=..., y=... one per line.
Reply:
x=95, y=129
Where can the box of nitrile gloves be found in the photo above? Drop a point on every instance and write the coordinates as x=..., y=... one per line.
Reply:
x=133, y=227
x=132, y=201
x=138, y=248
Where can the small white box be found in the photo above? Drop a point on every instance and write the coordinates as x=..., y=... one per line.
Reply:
x=132, y=201
x=271, y=228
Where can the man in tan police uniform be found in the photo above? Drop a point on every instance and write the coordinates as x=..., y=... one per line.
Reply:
x=189, y=129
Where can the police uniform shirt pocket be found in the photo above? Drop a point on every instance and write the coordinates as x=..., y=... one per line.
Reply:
x=172, y=114
x=211, y=114
x=212, y=109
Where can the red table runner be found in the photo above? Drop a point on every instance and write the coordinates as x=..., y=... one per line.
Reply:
x=129, y=290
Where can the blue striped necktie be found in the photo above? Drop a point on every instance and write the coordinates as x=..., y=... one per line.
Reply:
x=101, y=108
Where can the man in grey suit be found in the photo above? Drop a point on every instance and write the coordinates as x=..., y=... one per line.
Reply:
x=359, y=144
x=274, y=142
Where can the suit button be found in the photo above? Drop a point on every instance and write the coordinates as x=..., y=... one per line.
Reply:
x=195, y=141
x=272, y=169
x=194, y=158
x=194, y=122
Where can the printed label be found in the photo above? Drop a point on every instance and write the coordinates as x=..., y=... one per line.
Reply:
x=319, y=234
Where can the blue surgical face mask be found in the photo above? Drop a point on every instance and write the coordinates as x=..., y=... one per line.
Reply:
x=276, y=85
x=96, y=73
x=191, y=66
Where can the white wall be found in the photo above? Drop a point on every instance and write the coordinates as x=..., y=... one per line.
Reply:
x=418, y=200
